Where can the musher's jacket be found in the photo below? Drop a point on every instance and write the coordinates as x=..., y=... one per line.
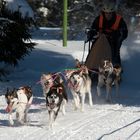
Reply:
x=114, y=28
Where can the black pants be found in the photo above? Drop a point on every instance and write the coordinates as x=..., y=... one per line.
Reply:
x=115, y=49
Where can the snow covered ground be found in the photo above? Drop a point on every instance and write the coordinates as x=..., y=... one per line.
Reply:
x=117, y=121
x=21, y=6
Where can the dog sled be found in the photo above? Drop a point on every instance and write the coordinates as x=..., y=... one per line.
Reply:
x=100, y=50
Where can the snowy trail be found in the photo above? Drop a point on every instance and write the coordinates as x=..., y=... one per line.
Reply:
x=100, y=122
x=74, y=126
x=79, y=124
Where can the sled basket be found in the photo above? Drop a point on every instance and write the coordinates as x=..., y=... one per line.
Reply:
x=100, y=50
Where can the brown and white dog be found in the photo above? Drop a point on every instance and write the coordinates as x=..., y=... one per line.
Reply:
x=108, y=75
x=55, y=94
x=49, y=80
x=79, y=83
x=20, y=101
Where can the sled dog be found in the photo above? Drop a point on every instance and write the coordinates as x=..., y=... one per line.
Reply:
x=49, y=80
x=55, y=94
x=79, y=83
x=108, y=75
x=56, y=100
x=20, y=101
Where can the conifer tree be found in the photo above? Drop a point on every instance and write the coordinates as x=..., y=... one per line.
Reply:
x=15, y=37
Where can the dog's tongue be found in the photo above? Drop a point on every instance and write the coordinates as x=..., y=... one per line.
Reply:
x=8, y=109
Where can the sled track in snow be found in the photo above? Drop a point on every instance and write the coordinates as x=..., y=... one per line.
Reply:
x=82, y=124
x=73, y=127
x=74, y=123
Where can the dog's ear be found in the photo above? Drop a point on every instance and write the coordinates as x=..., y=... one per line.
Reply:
x=60, y=90
x=78, y=64
x=14, y=92
x=81, y=72
x=42, y=77
x=117, y=66
x=117, y=71
x=27, y=89
x=84, y=69
x=68, y=73
x=7, y=92
x=60, y=79
x=48, y=76
x=109, y=60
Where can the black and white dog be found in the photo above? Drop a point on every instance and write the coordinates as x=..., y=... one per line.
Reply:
x=55, y=94
x=56, y=99
x=20, y=101
x=108, y=75
x=79, y=83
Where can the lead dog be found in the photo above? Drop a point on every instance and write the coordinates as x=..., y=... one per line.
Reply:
x=56, y=99
x=79, y=83
x=20, y=101
x=55, y=94
x=108, y=75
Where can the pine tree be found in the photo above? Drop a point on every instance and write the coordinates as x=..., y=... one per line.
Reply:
x=15, y=37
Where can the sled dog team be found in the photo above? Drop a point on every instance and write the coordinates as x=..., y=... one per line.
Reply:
x=54, y=90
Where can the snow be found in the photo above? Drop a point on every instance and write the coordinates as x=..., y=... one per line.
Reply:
x=22, y=6
x=44, y=10
x=117, y=121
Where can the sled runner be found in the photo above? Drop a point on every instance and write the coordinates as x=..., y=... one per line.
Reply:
x=100, y=50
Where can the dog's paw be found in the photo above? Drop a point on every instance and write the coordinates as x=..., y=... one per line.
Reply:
x=19, y=123
x=91, y=104
x=82, y=109
x=64, y=113
x=76, y=107
x=55, y=123
x=52, y=125
x=11, y=122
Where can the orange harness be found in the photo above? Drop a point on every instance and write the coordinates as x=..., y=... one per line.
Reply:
x=114, y=26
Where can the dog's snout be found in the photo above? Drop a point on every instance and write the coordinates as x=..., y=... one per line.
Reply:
x=75, y=82
x=8, y=102
x=106, y=72
x=53, y=101
x=46, y=83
